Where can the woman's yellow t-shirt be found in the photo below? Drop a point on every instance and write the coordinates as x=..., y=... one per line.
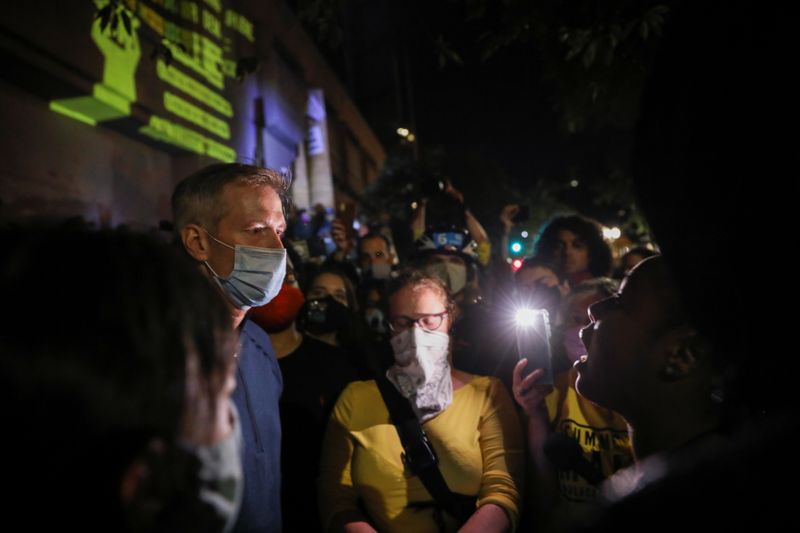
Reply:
x=477, y=439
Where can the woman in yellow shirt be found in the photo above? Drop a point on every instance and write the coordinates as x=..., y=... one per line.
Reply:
x=470, y=421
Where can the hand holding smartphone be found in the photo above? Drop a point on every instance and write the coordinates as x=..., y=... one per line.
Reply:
x=533, y=342
x=523, y=214
x=346, y=214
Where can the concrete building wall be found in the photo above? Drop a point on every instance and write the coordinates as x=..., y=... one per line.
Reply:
x=56, y=167
x=110, y=173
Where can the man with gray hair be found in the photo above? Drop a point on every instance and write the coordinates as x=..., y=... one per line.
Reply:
x=230, y=218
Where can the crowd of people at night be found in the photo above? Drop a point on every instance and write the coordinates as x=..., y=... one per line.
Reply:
x=267, y=371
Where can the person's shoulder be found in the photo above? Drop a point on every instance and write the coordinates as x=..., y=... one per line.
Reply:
x=484, y=383
x=491, y=391
x=252, y=335
x=358, y=390
x=357, y=400
x=254, y=331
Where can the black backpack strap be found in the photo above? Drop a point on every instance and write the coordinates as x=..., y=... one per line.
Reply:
x=419, y=455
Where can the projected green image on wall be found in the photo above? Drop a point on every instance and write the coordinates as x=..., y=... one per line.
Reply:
x=112, y=97
x=198, y=114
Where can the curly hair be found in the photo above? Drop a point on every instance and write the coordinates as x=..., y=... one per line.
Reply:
x=546, y=245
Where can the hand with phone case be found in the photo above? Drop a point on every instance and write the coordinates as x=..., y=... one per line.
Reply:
x=342, y=229
x=513, y=214
x=528, y=393
x=522, y=215
x=507, y=215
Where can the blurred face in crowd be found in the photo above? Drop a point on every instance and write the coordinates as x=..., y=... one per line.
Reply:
x=374, y=251
x=576, y=309
x=529, y=277
x=253, y=216
x=626, y=339
x=540, y=286
x=573, y=252
x=328, y=284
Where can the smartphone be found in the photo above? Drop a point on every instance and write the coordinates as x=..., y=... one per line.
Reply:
x=533, y=342
x=523, y=215
x=346, y=212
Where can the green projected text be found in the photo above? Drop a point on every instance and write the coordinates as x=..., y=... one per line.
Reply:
x=194, y=82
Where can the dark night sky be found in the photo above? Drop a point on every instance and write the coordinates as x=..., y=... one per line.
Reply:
x=500, y=111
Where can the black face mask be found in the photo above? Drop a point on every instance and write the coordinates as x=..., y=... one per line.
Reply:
x=324, y=315
x=376, y=320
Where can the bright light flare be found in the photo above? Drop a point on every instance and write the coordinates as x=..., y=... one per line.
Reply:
x=612, y=233
x=526, y=318
x=516, y=247
x=524, y=234
x=403, y=132
x=516, y=264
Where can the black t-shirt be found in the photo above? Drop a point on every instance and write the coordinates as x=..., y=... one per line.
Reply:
x=313, y=376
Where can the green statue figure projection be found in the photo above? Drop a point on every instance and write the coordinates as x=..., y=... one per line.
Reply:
x=112, y=98
x=200, y=109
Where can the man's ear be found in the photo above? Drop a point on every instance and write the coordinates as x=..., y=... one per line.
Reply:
x=195, y=241
x=684, y=353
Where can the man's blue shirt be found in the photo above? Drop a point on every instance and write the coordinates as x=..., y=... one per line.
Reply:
x=258, y=388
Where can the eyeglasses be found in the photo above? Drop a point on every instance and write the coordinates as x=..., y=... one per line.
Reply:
x=428, y=322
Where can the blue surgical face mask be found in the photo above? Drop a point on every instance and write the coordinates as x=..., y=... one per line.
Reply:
x=256, y=277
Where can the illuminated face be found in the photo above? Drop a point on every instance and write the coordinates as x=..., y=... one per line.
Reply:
x=374, y=251
x=419, y=302
x=536, y=275
x=622, y=342
x=328, y=284
x=572, y=252
x=253, y=216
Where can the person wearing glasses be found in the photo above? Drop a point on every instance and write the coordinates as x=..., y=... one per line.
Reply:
x=470, y=421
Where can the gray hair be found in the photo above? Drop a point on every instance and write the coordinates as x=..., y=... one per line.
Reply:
x=196, y=198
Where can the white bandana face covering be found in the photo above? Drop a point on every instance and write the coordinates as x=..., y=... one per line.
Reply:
x=421, y=371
